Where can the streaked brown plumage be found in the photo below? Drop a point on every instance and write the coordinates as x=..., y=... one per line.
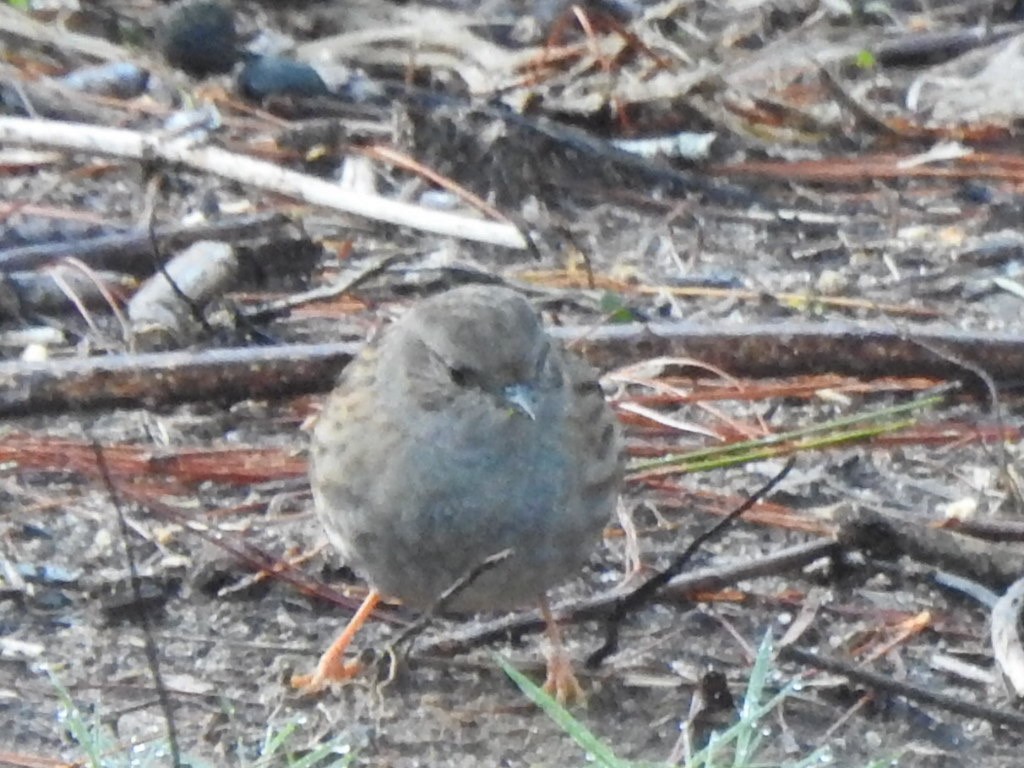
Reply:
x=463, y=430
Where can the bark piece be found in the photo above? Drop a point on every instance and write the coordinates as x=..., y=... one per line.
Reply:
x=166, y=312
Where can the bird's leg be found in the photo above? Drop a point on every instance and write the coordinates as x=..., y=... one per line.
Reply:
x=560, y=681
x=332, y=668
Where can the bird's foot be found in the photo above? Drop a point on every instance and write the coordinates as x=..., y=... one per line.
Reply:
x=332, y=667
x=328, y=672
x=561, y=681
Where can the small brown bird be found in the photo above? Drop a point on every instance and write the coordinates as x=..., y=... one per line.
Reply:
x=461, y=431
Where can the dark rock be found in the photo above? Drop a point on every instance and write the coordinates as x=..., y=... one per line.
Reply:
x=265, y=76
x=199, y=37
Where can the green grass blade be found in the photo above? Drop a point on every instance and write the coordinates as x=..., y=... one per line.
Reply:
x=590, y=743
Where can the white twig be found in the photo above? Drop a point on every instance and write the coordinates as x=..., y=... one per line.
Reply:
x=124, y=143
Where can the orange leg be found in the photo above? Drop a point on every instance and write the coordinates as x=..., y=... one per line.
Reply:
x=332, y=668
x=560, y=681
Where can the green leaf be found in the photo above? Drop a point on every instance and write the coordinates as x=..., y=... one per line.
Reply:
x=866, y=60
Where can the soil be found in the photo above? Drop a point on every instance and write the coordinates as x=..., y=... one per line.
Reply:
x=944, y=248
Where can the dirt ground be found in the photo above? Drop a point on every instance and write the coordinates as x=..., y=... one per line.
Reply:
x=780, y=209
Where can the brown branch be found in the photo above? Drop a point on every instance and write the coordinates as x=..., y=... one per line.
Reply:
x=989, y=529
x=703, y=580
x=886, y=682
x=166, y=378
x=888, y=536
x=796, y=348
x=767, y=350
x=256, y=558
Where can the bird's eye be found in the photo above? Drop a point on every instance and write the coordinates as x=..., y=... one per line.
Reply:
x=460, y=375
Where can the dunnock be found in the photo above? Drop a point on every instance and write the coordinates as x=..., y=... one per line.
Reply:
x=461, y=431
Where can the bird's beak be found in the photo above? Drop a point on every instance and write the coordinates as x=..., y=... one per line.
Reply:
x=522, y=399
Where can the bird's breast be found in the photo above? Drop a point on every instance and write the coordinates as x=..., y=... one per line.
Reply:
x=493, y=464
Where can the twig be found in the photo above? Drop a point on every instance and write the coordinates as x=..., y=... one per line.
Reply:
x=171, y=377
x=917, y=49
x=989, y=529
x=888, y=536
x=149, y=644
x=280, y=307
x=888, y=683
x=423, y=620
x=258, y=559
x=168, y=309
x=597, y=606
x=765, y=350
x=125, y=143
x=649, y=588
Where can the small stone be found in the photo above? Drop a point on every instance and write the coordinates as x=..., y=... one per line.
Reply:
x=831, y=282
x=199, y=37
x=265, y=76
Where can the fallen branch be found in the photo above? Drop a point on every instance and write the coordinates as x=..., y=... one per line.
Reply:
x=162, y=378
x=702, y=580
x=119, y=142
x=768, y=350
x=795, y=348
x=132, y=251
x=887, y=683
x=889, y=536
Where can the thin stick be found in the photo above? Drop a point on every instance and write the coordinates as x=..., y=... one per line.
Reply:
x=134, y=145
x=886, y=682
x=647, y=590
x=149, y=644
x=423, y=621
